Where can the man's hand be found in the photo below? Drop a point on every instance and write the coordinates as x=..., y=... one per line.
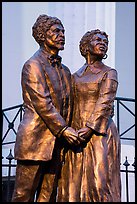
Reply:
x=71, y=136
x=85, y=133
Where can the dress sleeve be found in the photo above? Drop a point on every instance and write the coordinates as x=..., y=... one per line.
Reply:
x=34, y=83
x=98, y=121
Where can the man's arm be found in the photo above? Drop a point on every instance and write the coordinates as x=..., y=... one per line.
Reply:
x=34, y=81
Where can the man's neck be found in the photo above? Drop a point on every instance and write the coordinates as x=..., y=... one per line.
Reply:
x=50, y=51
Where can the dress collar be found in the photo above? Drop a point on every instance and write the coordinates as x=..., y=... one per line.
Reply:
x=93, y=68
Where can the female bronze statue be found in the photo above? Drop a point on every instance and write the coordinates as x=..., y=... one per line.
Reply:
x=91, y=171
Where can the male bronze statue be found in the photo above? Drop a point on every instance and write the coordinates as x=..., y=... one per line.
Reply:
x=46, y=87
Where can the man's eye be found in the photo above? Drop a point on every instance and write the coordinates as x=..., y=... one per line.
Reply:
x=98, y=39
x=57, y=30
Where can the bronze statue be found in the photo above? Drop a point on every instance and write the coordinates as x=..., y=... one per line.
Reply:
x=91, y=172
x=46, y=87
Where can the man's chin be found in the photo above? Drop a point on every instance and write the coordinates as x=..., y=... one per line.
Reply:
x=61, y=48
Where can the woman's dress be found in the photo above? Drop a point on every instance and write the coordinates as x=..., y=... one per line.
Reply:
x=91, y=173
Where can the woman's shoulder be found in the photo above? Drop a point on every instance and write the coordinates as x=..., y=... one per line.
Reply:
x=111, y=72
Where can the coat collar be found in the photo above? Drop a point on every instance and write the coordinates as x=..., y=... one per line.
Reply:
x=44, y=52
x=47, y=57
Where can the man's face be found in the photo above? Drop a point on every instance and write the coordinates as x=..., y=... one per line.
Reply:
x=55, y=37
x=99, y=45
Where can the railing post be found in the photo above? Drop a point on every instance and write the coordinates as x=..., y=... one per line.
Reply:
x=126, y=164
x=21, y=109
x=9, y=157
x=118, y=125
x=134, y=164
x=2, y=180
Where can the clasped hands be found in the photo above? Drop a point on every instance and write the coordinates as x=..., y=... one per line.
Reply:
x=77, y=137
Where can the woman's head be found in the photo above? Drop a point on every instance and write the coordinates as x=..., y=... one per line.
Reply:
x=95, y=42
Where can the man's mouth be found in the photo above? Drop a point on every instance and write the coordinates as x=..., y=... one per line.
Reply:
x=62, y=41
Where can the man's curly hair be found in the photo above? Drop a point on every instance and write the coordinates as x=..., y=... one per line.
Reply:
x=88, y=37
x=42, y=25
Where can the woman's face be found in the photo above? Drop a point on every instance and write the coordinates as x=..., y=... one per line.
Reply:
x=98, y=45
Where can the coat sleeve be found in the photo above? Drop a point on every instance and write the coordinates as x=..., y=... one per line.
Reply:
x=98, y=121
x=33, y=81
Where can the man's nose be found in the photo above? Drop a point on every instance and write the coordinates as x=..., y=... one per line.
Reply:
x=61, y=33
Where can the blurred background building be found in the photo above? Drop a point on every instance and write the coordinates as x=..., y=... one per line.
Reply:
x=117, y=19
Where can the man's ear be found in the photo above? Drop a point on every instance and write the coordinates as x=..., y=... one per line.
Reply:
x=41, y=36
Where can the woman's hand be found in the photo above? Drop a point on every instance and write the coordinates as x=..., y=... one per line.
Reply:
x=85, y=133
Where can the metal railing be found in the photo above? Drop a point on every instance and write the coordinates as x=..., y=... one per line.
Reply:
x=19, y=112
x=120, y=101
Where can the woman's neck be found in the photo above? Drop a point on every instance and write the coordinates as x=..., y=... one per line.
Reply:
x=91, y=59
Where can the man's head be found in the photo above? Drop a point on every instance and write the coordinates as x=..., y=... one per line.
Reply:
x=49, y=30
x=95, y=42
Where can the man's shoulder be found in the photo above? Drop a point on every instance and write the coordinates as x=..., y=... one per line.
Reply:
x=32, y=65
x=34, y=60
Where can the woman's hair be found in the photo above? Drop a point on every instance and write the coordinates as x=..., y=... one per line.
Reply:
x=86, y=38
x=42, y=25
